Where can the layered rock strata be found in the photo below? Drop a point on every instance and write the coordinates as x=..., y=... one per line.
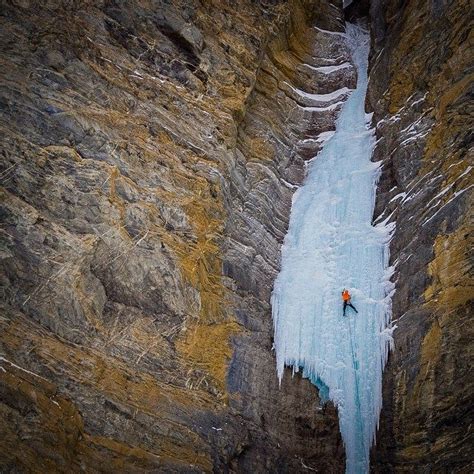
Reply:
x=420, y=90
x=150, y=152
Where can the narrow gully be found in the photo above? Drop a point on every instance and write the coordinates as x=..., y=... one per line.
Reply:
x=331, y=244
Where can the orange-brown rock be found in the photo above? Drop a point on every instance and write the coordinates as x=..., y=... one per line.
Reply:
x=149, y=155
x=420, y=91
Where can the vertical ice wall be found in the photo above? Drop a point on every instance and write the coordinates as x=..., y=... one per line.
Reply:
x=330, y=245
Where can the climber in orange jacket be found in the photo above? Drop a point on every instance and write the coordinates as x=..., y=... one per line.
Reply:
x=346, y=297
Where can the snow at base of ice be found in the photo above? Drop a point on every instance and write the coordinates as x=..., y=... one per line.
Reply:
x=331, y=244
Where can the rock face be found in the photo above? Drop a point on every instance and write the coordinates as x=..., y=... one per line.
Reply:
x=150, y=150
x=419, y=89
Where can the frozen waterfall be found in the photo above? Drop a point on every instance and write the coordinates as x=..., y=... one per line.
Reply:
x=332, y=244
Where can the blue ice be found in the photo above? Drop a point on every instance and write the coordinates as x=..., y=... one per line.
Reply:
x=331, y=244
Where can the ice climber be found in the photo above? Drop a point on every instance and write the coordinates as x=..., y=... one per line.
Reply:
x=346, y=297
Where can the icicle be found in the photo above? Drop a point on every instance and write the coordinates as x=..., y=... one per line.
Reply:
x=332, y=245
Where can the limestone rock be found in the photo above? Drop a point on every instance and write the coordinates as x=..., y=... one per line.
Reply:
x=420, y=93
x=150, y=150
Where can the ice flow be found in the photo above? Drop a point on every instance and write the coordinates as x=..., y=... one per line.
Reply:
x=331, y=244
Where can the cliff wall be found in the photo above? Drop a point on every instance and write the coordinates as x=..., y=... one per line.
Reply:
x=150, y=150
x=421, y=93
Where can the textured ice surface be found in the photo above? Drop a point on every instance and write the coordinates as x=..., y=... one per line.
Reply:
x=331, y=244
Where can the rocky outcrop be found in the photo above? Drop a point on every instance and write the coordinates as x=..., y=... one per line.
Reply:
x=150, y=151
x=420, y=86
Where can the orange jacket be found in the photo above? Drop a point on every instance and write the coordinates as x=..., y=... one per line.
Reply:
x=345, y=295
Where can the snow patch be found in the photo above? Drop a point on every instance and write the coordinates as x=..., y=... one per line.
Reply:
x=20, y=368
x=319, y=97
x=329, y=69
x=327, y=32
x=455, y=195
x=398, y=196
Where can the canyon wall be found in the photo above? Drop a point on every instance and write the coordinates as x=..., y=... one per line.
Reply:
x=150, y=150
x=421, y=93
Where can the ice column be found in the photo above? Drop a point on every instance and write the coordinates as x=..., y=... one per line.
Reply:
x=331, y=244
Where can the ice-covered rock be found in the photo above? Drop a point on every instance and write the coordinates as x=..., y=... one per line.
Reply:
x=331, y=244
